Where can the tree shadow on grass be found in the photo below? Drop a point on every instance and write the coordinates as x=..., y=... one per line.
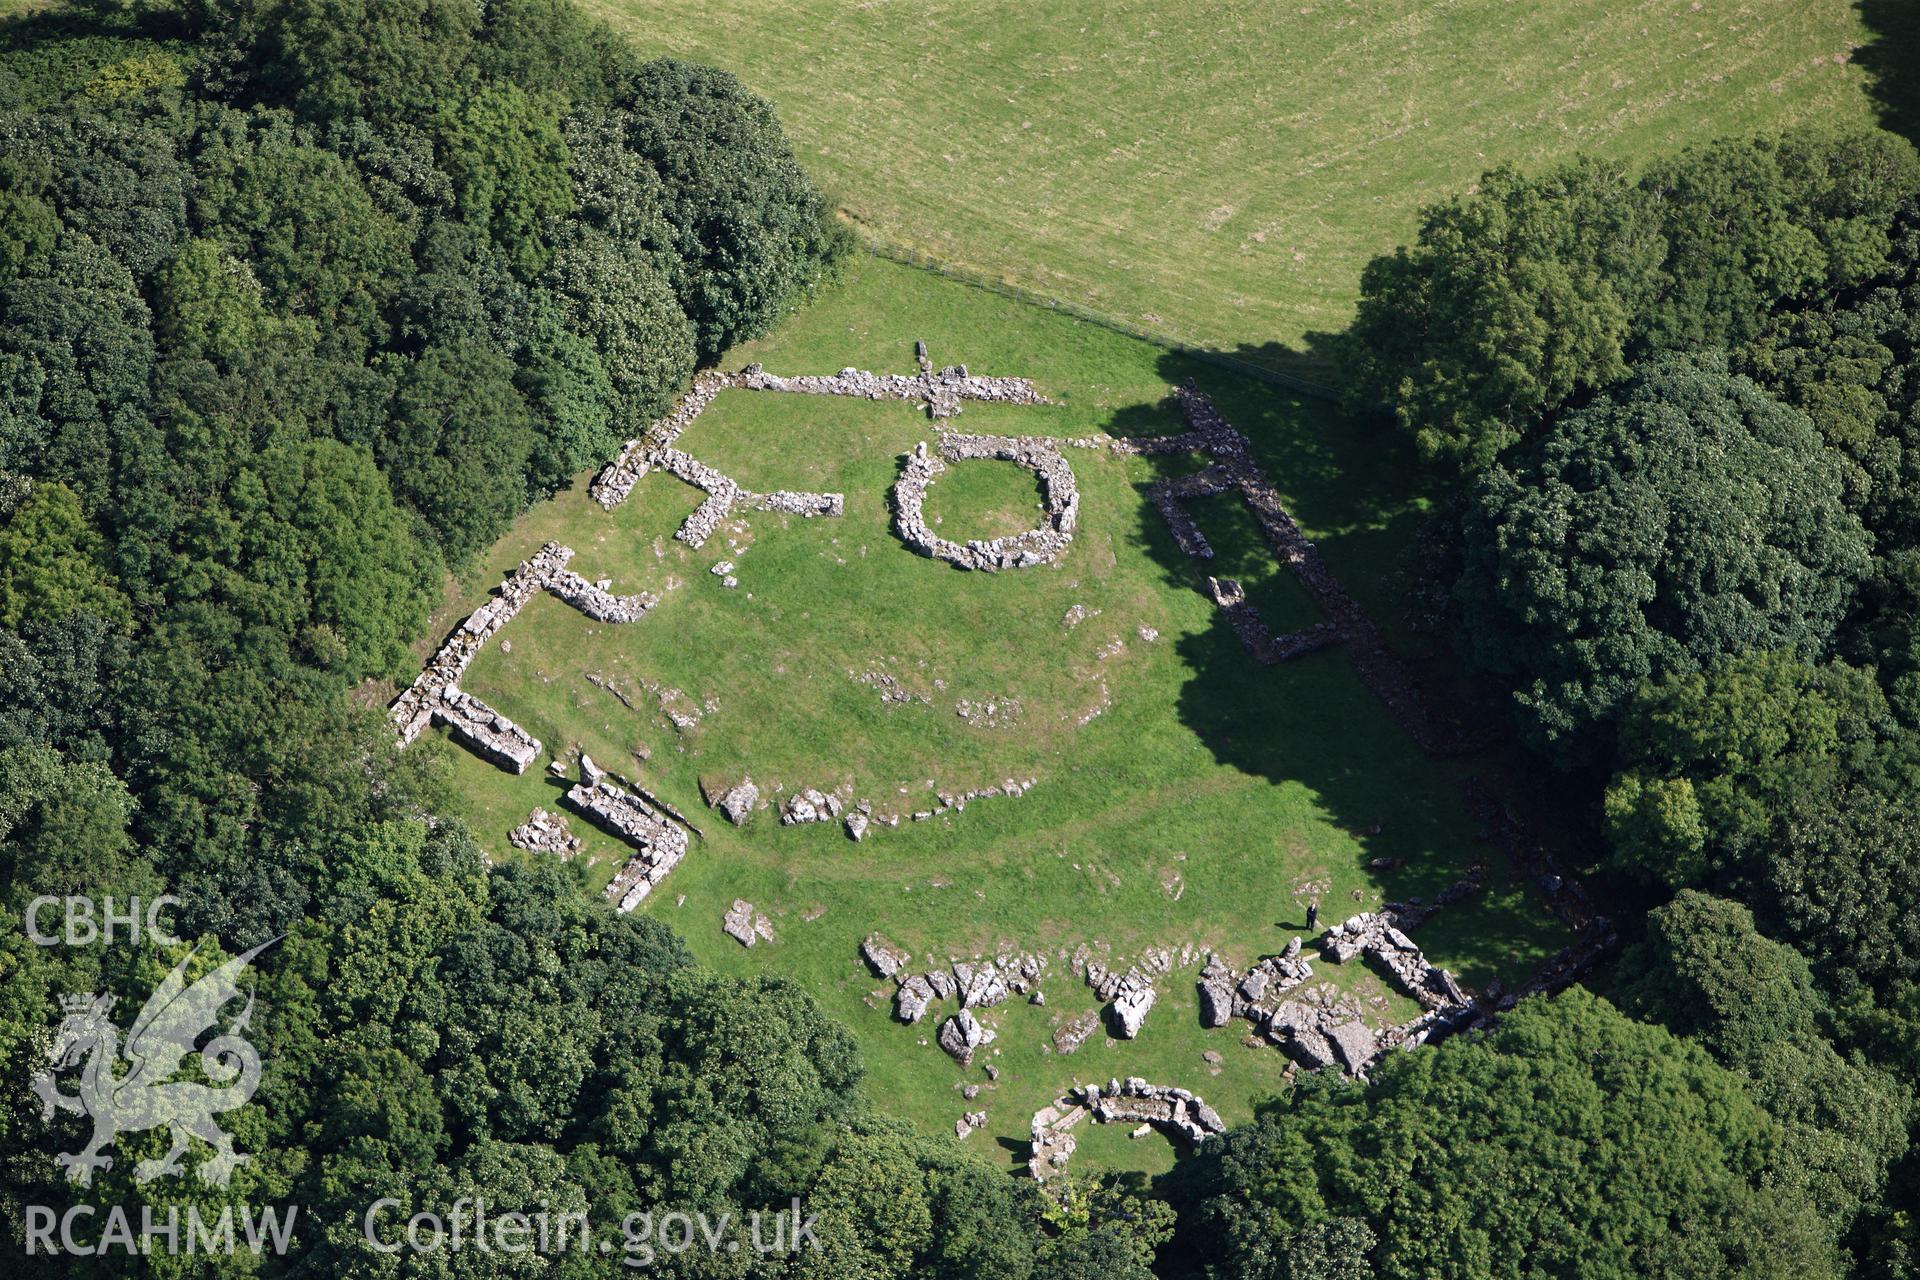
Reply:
x=1312, y=721
x=1892, y=61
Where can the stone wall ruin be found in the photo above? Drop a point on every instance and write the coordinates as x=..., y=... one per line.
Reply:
x=1315, y=1024
x=434, y=697
x=942, y=392
x=655, y=450
x=1179, y=1113
x=658, y=841
x=1045, y=544
x=1235, y=468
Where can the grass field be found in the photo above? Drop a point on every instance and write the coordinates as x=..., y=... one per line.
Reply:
x=1185, y=812
x=1222, y=169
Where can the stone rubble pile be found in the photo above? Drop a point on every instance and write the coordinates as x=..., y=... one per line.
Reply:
x=891, y=690
x=979, y=984
x=1168, y=1108
x=1260, y=990
x=809, y=805
x=1317, y=1026
x=1322, y=1027
x=1060, y=496
x=1131, y=994
x=1000, y=713
x=545, y=832
x=745, y=925
x=966, y=1124
x=658, y=841
x=1377, y=936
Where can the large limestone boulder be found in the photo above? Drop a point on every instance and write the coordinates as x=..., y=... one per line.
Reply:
x=1075, y=1031
x=1130, y=1005
x=884, y=956
x=962, y=1034
x=737, y=805
x=1216, y=993
x=910, y=1002
x=1356, y=1045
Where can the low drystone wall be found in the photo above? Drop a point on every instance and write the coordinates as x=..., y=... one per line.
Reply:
x=658, y=841
x=616, y=480
x=655, y=449
x=1179, y=1113
x=435, y=698
x=1180, y=523
x=807, y=805
x=596, y=601
x=942, y=391
x=1060, y=498
x=484, y=731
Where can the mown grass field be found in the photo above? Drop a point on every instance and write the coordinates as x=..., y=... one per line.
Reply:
x=1186, y=812
x=1222, y=169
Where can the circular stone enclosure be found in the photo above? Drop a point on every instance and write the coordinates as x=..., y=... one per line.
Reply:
x=1044, y=544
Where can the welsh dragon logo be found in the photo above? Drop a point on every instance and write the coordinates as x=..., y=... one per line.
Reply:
x=146, y=1096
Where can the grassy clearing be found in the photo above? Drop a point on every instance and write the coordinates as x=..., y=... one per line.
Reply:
x=1222, y=169
x=1185, y=812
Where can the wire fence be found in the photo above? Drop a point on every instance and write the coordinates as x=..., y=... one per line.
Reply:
x=1206, y=355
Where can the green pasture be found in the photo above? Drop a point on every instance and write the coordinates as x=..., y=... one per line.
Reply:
x=1222, y=169
x=1188, y=810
